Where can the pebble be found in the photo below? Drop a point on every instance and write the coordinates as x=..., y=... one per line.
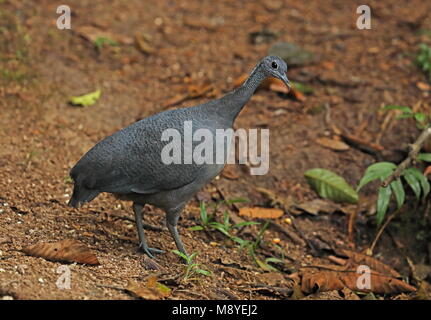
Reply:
x=41, y=280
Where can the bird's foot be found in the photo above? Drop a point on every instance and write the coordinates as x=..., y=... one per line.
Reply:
x=149, y=251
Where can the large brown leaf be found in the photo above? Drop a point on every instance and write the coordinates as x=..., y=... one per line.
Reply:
x=327, y=280
x=356, y=259
x=68, y=250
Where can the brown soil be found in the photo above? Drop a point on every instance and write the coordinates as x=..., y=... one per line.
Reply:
x=42, y=136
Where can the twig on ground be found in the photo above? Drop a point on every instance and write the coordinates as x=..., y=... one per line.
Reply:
x=414, y=150
x=362, y=145
x=265, y=287
x=351, y=225
x=383, y=227
x=287, y=232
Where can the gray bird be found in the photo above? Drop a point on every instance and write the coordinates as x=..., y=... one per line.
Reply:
x=129, y=164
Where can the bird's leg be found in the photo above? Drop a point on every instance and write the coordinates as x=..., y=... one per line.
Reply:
x=172, y=217
x=137, y=208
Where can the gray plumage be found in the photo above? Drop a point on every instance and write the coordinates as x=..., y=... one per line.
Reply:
x=129, y=165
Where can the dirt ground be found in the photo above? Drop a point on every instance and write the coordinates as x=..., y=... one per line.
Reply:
x=191, y=43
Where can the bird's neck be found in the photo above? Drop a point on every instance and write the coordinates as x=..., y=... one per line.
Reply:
x=236, y=100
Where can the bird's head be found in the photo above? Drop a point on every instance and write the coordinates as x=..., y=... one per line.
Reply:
x=274, y=66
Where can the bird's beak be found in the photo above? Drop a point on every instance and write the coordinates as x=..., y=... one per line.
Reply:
x=286, y=81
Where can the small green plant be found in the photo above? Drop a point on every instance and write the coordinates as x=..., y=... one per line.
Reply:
x=411, y=176
x=423, y=59
x=251, y=247
x=208, y=220
x=305, y=89
x=422, y=120
x=226, y=228
x=192, y=269
x=101, y=41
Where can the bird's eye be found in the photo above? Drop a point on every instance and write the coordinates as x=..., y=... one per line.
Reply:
x=274, y=65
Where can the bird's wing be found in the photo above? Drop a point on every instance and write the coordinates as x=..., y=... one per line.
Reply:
x=124, y=167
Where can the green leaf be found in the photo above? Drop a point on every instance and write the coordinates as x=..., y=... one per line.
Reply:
x=383, y=203
x=86, y=100
x=182, y=255
x=264, y=266
x=238, y=240
x=226, y=219
x=204, y=272
x=305, y=89
x=237, y=200
x=204, y=214
x=273, y=260
x=246, y=223
x=420, y=117
x=219, y=227
x=192, y=256
x=404, y=116
x=100, y=41
x=412, y=182
x=398, y=189
x=379, y=170
x=424, y=157
x=395, y=107
x=196, y=228
x=422, y=180
x=331, y=186
x=162, y=288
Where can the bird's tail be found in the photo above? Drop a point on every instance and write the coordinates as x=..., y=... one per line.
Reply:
x=81, y=195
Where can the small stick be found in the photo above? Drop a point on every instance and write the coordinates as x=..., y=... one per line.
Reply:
x=414, y=150
x=362, y=144
x=287, y=232
x=351, y=225
x=380, y=232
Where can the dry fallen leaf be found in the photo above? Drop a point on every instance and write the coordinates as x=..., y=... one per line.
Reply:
x=264, y=213
x=316, y=206
x=91, y=34
x=327, y=280
x=356, y=259
x=152, y=290
x=193, y=91
x=427, y=171
x=230, y=172
x=333, y=144
x=423, y=86
x=202, y=22
x=68, y=250
x=143, y=45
